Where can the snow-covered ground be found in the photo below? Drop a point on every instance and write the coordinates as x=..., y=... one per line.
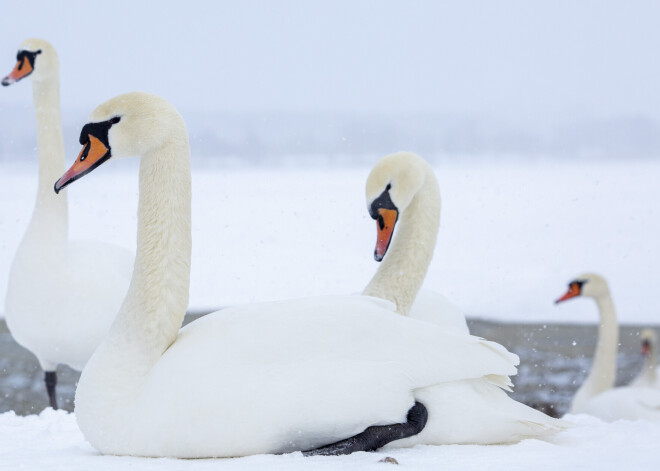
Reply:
x=52, y=441
x=513, y=234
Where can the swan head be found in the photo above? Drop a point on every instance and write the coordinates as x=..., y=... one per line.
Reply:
x=391, y=186
x=37, y=59
x=649, y=340
x=129, y=125
x=588, y=285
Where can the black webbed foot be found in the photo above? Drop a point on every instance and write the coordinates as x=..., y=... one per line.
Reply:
x=377, y=436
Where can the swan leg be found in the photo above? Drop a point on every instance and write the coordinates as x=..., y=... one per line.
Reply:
x=50, y=379
x=377, y=436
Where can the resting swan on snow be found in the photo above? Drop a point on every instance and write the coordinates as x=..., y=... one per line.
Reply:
x=402, y=191
x=648, y=377
x=42, y=313
x=260, y=378
x=597, y=396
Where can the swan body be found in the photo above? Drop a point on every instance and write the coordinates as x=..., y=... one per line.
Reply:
x=43, y=314
x=278, y=377
x=625, y=403
x=433, y=307
x=259, y=378
x=597, y=395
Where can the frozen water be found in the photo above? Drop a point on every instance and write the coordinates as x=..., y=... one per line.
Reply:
x=512, y=235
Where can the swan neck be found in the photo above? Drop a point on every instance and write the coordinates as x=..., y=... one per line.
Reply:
x=152, y=313
x=50, y=211
x=608, y=342
x=602, y=375
x=402, y=272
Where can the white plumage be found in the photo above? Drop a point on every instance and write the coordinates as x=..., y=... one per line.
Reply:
x=648, y=376
x=597, y=395
x=475, y=410
x=62, y=294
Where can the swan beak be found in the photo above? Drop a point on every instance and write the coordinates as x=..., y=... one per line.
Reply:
x=93, y=154
x=386, y=221
x=22, y=69
x=573, y=291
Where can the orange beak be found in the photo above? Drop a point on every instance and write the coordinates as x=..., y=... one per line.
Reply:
x=93, y=154
x=573, y=291
x=386, y=221
x=22, y=69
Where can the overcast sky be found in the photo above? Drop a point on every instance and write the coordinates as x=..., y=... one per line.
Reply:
x=539, y=63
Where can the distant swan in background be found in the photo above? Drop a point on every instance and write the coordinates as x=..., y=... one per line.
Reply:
x=62, y=295
x=402, y=191
x=258, y=378
x=648, y=376
x=597, y=396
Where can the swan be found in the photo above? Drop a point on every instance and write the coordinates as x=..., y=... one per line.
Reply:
x=259, y=378
x=402, y=191
x=597, y=396
x=648, y=377
x=41, y=313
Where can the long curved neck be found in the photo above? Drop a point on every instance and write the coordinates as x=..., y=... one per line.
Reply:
x=50, y=211
x=603, y=369
x=152, y=313
x=402, y=272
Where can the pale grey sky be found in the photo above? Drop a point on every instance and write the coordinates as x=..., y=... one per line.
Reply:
x=534, y=63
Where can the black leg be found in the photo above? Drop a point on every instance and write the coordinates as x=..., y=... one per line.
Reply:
x=51, y=381
x=377, y=436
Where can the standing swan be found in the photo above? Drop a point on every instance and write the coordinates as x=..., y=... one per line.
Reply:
x=260, y=378
x=597, y=396
x=402, y=191
x=42, y=314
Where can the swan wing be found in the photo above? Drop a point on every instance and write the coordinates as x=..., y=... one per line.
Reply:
x=432, y=306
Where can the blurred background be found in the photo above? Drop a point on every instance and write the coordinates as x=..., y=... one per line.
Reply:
x=542, y=120
x=260, y=80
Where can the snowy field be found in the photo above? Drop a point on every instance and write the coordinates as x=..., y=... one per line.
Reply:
x=512, y=234
x=52, y=441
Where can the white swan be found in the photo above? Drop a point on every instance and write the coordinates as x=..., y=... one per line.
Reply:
x=42, y=313
x=648, y=376
x=402, y=191
x=597, y=396
x=260, y=378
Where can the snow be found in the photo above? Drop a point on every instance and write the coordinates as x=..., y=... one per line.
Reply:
x=52, y=441
x=512, y=233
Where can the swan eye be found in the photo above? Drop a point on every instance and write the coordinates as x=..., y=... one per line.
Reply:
x=85, y=151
